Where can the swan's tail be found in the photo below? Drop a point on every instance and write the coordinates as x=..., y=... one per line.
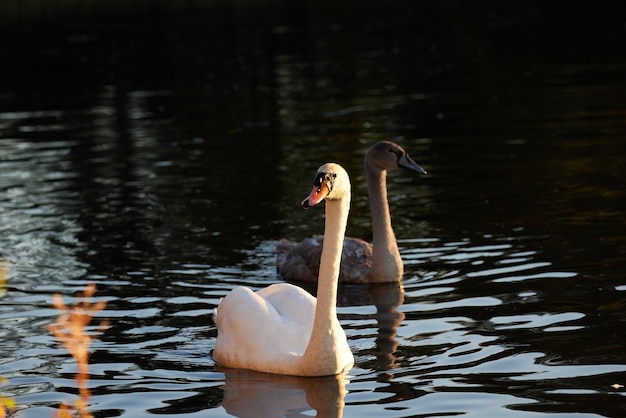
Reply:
x=215, y=310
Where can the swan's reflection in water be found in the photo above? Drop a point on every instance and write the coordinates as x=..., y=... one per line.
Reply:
x=252, y=394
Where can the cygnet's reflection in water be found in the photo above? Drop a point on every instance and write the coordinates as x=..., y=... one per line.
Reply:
x=252, y=394
x=387, y=297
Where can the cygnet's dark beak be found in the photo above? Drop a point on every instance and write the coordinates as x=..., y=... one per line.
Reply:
x=406, y=162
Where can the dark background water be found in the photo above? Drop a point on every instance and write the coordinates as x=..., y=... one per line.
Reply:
x=160, y=150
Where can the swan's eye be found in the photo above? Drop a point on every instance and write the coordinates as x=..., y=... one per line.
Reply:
x=318, y=180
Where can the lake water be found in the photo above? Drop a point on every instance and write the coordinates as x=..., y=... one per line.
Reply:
x=160, y=152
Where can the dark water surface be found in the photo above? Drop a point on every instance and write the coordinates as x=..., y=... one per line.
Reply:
x=161, y=151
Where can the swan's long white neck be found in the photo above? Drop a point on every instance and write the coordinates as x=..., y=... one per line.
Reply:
x=325, y=326
x=386, y=261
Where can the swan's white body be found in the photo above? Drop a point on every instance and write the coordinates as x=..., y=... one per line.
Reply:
x=283, y=329
x=361, y=261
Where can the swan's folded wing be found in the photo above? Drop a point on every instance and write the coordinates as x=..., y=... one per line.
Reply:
x=253, y=328
x=292, y=303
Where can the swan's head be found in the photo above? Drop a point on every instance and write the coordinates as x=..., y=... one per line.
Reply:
x=331, y=182
x=386, y=155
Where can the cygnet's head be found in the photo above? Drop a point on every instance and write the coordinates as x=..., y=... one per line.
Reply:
x=387, y=155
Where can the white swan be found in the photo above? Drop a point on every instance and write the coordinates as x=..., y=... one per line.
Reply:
x=361, y=262
x=282, y=329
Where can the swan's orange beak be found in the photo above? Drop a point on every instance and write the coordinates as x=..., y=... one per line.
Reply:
x=317, y=195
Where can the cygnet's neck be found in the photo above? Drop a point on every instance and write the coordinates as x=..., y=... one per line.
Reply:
x=386, y=261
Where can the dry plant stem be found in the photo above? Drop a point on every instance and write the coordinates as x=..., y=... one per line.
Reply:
x=6, y=403
x=70, y=330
